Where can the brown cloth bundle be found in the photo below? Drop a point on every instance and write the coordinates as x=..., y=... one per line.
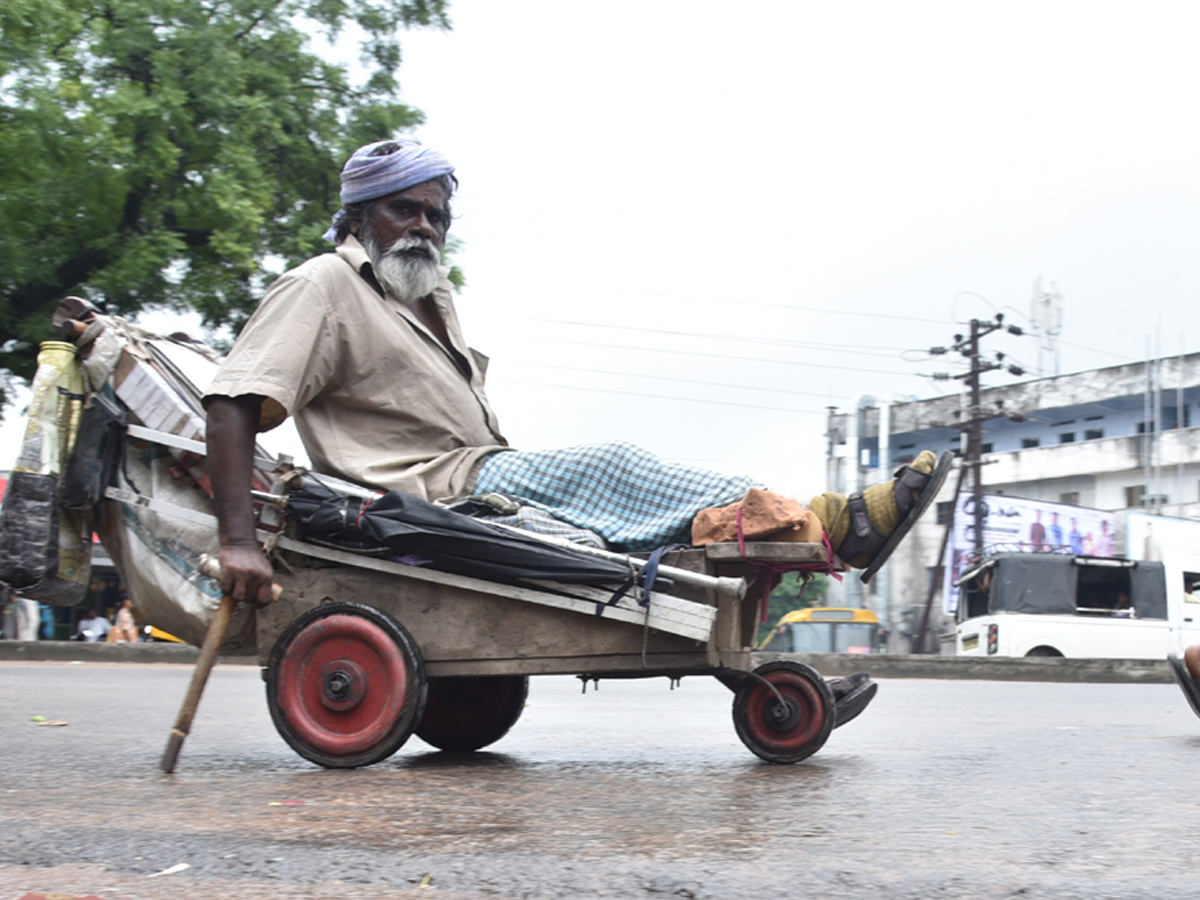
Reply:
x=766, y=516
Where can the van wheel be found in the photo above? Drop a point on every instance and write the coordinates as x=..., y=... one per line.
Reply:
x=1043, y=651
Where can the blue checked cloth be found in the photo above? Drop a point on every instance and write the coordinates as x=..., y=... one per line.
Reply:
x=628, y=496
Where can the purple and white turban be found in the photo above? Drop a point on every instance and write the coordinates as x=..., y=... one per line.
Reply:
x=365, y=177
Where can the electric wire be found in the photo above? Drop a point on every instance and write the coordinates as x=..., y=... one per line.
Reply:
x=780, y=362
x=739, y=404
x=740, y=387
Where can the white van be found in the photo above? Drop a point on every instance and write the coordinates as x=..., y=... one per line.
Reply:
x=1050, y=604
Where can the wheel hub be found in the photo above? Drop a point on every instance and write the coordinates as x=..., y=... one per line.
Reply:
x=344, y=683
x=782, y=716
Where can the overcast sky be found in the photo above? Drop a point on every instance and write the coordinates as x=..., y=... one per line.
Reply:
x=696, y=225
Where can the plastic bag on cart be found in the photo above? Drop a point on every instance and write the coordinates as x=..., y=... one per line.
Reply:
x=45, y=550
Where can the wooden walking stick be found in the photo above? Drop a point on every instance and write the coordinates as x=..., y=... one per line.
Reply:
x=208, y=656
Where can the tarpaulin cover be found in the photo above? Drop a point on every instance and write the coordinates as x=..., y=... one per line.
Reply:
x=1034, y=583
x=449, y=541
x=1049, y=584
x=1148, y=581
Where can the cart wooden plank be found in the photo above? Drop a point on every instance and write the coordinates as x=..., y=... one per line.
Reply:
x=661, y=615
x=767, y=551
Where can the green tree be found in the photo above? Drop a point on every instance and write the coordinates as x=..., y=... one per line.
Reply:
x=162, y=152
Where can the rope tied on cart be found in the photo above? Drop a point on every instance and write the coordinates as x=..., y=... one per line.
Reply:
x=642, y=580
x=362, y=510
x=773, y=570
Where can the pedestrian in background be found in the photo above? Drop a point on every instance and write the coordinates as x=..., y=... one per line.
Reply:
x=125, y=629
x=92, y=627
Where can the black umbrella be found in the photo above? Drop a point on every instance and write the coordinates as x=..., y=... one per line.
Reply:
x=448, y=540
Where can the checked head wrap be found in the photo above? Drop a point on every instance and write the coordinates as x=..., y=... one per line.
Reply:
x=365, y=177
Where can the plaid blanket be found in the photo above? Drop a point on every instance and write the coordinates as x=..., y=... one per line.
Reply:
x=628, y=496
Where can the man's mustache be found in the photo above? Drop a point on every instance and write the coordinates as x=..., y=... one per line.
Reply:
x=406, y=246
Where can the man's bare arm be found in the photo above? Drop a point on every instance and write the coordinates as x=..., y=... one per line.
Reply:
x=232, y=425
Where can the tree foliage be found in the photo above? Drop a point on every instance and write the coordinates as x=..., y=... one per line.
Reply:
x=791, y=593
x=159, y=152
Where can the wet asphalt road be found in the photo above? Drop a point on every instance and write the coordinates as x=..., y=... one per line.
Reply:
x=941, y=789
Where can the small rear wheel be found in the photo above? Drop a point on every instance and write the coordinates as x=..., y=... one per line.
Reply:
x=345, y=685
x=784, y=711
x=463, y=714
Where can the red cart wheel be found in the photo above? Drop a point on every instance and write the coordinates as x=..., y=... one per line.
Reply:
x=345, y=685
x=464, y=714
x=784, y=732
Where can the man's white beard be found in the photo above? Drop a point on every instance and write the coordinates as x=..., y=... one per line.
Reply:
x=408, y=269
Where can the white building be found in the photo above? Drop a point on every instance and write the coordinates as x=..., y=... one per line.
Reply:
x=1124, y=437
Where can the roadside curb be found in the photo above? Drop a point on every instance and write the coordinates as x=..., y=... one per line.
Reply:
x=959, y=668
x=78, y=651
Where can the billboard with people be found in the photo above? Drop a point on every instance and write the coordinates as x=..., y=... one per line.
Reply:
x=1017, y=524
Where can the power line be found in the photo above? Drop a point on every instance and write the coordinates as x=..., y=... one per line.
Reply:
x=780, y=362
x=742, y=387
x=811, y=309
x=567, y=387
x=816, y=345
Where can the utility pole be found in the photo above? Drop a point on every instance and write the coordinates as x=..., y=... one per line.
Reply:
x=976, y=415
x=968, y=346
x=973, y=426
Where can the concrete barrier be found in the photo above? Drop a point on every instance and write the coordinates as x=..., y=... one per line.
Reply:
x=79, y=651
x=881, y=666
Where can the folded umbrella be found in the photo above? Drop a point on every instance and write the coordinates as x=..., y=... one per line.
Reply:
x=449, y=541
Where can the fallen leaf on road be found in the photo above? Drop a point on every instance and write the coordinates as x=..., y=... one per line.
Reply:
x=171, y=870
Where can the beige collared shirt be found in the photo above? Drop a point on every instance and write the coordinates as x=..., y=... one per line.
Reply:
x=377, y=398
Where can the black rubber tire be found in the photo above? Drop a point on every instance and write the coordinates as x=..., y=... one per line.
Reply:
x=396, y=698
x=468, y=713
x=788, y=735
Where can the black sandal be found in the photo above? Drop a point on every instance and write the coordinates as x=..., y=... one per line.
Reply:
x=851, y=696
x=864, y=540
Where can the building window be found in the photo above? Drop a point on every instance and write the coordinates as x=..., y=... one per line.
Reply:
x=943, y=512
x=1067, y=437
x=1141, y=427
x=1063, y=422
x=987, y=448
x=1029, y=443
x=1093, y=434
x=1070, y=497
x=1093, y=418
x=1135, y=494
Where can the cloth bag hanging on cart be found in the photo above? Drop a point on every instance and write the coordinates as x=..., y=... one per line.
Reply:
x=46, y=550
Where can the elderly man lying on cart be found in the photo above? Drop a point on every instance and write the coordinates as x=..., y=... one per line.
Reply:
x=363, y=347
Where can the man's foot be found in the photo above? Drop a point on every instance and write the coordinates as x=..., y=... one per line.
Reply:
x=866, y=527
x=851, y=696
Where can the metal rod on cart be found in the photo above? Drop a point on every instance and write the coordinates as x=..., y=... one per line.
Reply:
x=729, y=587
